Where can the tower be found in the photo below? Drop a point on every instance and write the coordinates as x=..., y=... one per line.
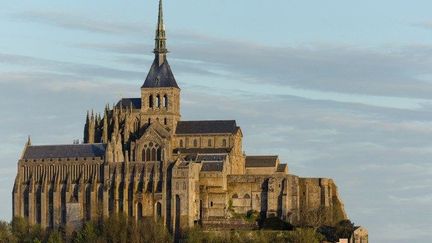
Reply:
x=160, y=94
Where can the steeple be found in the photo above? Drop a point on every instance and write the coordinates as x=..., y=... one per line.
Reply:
x=160, y=74
x=160, y=41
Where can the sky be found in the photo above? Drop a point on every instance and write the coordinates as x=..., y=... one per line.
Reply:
x=339, y=89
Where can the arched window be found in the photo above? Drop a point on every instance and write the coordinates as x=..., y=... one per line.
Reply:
x=159, y=154
x=235, y=196
x=153, y=154
x=158, y=101
x=195, y=143
x=148, y=154
x=121, y=196
x=165, y=99
x=158, y=210
x=26, y=203
x=151, y=101
x=51, y=207
x=165, y=121
x=88, y=202
x=224, y=143
x=139, y=210
x=211, y=204
x=181, y=143
x=246, y=196
x=38, y=206
x=209, y=143
x=143, y=154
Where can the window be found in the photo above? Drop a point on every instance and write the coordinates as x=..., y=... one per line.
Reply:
x=165, y=101
x=224, y=143
x=181, y=143
x=246, y=196
x=195, y=143
x=209, y=143
x=158, y=101
x=151, y=101
x=235, y=196
x=211, y=204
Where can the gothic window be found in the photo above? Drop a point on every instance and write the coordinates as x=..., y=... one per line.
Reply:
x=209, y=143
x=100, y=196
x=246, y=196
x=26, y=203
x=38, y=206
x=140, y=210
x=181, y=143
x=235, y=196
x=158, y=210
x=148, y=154
x=130, y=198
x=165, y=99
x=143, y=154
x=51, y=208
x=195, y=143
x=88, y=202
x=121, y=196
x=153, y=154
x=151, y=101
x=159, y=154
x=158, y=101
x=224, y=143
x=63, y=204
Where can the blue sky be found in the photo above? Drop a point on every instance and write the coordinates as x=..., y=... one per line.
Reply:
x=339, y=89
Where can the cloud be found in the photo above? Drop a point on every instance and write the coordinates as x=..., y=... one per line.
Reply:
x=79, y=22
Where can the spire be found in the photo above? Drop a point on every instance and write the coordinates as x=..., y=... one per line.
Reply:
x=160, y=41
x=160, y=74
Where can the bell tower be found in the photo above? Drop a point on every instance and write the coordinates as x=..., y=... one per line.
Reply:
x=160, y=94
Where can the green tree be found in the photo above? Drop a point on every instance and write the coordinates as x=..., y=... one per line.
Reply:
x=55, y=237
x=6, y=233
x=305, y=235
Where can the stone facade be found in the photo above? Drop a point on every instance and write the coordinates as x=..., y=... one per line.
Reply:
x=142, y=160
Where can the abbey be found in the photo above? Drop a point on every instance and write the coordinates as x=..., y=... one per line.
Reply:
x=141, y=159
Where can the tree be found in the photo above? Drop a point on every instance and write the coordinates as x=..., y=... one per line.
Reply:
x=6, y=233
x=305, y=235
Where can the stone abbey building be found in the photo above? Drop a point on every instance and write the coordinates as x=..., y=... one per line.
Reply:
x=141, y=159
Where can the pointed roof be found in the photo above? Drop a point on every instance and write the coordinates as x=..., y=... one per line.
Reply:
x=160, y=74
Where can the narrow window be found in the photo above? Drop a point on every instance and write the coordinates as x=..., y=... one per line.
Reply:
x=143, y=154
x=209, y=142
x=153, y=155
x=181, y=143
x=151, y=101
x=211, y=204
x=165, y=101
x=195, y=143
x=165, y=121
x=158, y=101
x=224, y=143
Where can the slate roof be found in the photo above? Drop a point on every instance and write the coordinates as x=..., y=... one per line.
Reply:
x=212, y=166
x=64, y=151
x=160, y=76
x=261, y=161
x=202, y=127
x=126, y=102
x=202, y=150
x=211, y=157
